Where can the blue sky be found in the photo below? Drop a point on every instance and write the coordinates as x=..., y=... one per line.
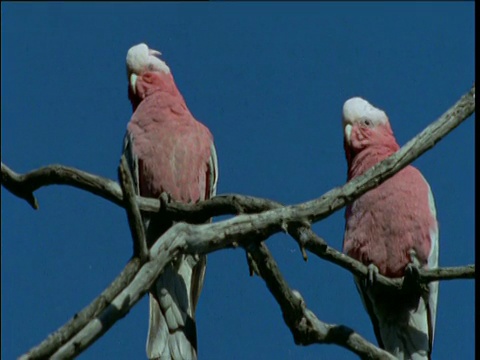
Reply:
x=269, y=80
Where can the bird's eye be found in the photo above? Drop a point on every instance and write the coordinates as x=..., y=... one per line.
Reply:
x=367, y=122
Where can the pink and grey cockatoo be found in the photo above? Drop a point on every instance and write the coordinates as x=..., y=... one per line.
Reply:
x=390, y=228
x=168, y=151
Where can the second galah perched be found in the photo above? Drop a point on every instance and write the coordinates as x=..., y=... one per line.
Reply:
x=168, y=151
x=389, y=228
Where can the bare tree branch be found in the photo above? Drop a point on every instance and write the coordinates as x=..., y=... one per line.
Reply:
x=24, y=185
x=192, y=239
x=133, y=213
x=306, y=328
x=181, y=238
x=242, y=229
x=74, y=325
x=447, y=273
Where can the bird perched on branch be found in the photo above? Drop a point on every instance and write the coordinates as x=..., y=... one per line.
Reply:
x=168, y=151
x=390, y=229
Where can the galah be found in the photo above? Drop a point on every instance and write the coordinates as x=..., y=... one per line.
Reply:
x=389, y=229
x=168, y=151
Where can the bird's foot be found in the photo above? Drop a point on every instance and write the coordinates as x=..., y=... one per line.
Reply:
x=412, y=273
x=371, y=275
x=411, y=280
x=412, y=254
x=165, y=199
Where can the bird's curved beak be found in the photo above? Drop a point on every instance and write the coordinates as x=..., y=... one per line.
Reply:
x=348, y=133
x=133, y=82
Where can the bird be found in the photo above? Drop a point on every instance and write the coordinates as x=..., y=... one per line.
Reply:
x=168, y=152
x=391, y=229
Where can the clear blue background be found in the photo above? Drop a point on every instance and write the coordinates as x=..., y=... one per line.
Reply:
x=269, y=80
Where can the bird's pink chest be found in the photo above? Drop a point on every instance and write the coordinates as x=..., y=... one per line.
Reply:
x=385, y=224
x=173, y=157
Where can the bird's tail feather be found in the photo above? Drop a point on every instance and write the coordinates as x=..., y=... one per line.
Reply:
x=172, y=332
x=408, y=338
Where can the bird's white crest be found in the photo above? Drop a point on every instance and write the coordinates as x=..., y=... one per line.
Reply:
x=140, y=58
x=356, y=109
